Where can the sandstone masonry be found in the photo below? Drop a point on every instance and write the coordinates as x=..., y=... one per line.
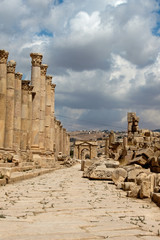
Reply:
x=29, y=131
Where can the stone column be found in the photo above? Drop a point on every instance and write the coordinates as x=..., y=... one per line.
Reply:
x=68, y=145
x=64, y=141
x=125, y=142
x=17, y=112
x=42, y=106
x=56, y=137
x=106, y=146
x=3, y=89
x=31, y=95
x=61, y=138
x=111, y=137
x=25, y=115
x=36, y=82
x=52, y=116
x=48, y=114
x=10, y=105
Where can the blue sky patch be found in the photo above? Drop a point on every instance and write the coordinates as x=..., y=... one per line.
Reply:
x=45, y=32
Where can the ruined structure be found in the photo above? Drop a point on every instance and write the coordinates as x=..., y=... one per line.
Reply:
x=85, y=149
x=133, y=163
x=29, y=131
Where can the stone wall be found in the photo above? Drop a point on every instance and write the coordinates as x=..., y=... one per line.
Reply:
x=27, y=122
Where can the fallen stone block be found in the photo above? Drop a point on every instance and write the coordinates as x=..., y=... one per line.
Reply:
x=132, y=175
x=119, y=175
x=127, y=186
x=141, y=160
x=5, y=173
x=148, y=153
x=156, y=198
x=134, y=192
x=101, y=173
x=7, y=157
x=111, y=163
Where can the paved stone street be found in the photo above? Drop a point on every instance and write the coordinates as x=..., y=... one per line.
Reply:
x=63, y=205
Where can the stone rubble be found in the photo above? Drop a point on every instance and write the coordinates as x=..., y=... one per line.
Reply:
x=137, y=161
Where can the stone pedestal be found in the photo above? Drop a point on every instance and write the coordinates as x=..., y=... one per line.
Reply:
x=3, y=90
x=10, y=105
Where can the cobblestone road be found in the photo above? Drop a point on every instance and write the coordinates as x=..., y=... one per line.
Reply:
x=63, y=205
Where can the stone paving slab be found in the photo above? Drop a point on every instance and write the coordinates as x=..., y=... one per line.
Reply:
x=62, y=205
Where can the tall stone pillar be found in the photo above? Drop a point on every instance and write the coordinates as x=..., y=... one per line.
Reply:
x=125, y=142
x=42, y=106
x=64, y=141
x=48, y=143
x=107, y=147
x=56, y=137
x=111, y=137
x=52, y=117
x=25, y=115
x=3, y=90
x=61, y=138
x=10, y=105
x=17, y=112
x=31, y=95
x=68, y=145
x=36, y=82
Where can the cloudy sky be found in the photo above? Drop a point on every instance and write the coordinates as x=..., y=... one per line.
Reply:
x=104, y=56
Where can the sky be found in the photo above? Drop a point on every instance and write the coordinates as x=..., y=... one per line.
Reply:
x=104, y=56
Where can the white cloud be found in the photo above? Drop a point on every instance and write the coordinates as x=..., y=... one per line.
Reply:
x=104, y=55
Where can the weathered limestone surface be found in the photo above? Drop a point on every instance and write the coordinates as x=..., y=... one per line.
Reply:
x=10, y=105
x=3, y=92
x=63, y=205
x=27, y=126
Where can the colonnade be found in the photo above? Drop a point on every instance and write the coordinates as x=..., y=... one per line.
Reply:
x=27, y=121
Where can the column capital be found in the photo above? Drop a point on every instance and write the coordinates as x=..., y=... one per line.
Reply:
x=43, y=69
x=53, y=86
x=11, y=66
x=36, y=59
x=18, y=75
x=49, y=79
x=3, y=56
x=25, y=85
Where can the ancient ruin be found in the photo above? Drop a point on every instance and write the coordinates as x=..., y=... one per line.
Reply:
x=30, y=135
x=133, y=164
x=85, y=149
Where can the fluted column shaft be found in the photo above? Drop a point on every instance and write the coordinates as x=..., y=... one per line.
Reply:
x=3, y=89
x=30, y=101
x=42, y=106
x=8, y=144
x=25, y=115
x=17, y=112
x=52, y=116
x=48, y=144
x=36, y=82
x=61, y=138
x=64, y=141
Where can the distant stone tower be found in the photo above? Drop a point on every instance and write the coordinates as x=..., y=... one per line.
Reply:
x=133, y=121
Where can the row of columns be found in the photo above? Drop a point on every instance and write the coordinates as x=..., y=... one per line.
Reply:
x=27, y=119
